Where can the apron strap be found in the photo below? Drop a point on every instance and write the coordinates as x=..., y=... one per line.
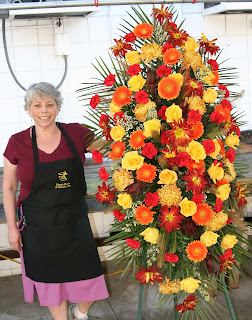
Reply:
x=35, y=147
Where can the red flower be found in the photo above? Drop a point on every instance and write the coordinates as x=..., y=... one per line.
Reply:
x=194, y=116
x=170, y=218
x=241, y=194
x=198, y=198
x=97, y=156
x=230, y=155
x=167, y=46
x=103, y=174
x=104, y=121
x=149, y=150
x=208, y=45
x=188, y=304
x=172, y=258
x=225, y=89
x=235, y=129
x=214, y=64
x=178, y=135
x=109, y=80
x=226, y=104
x=226, y=260
x=134, y=70
x=94, y=101
x=208, y=146
x=149, y=275
x=118, y=215
x=133, y=243
x=105, y=194
x=142, y=97
x=163, y=71
x=182, y=159
x=121, y=48
x=130, y=37
x=194, y=87
x=218, y=205
x=196, y=181
x=162, y=14
x=120, y=115
x=161, y=112
x=152, y=199
x=177, y=37
x=188, y=227
x=216, y=117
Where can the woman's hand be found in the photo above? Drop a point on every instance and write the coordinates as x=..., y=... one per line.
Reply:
x=15, y=239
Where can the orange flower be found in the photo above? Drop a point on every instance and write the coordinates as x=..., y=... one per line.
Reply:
x=196, y=251
x=144, y=215
x=168, y=88
x=146, y=173
x=137, y=139
x=122, y=96
x=215, y=81
x=193, y=165
x=222, y=150
x=118, y=149
x=172, y=56
x=203, y=214
x=143, y=31
x=197, y=130
x=224, y=111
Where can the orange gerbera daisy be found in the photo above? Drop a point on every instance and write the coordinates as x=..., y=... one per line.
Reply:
x=143, y=31
x=196, y=251
x=203, y=214
x=122, y=96
x=146, y=173
x=197, y=130
x=172, y=56
x=168, y=88
x=137, y=139
x=144, y=215
x=193, y=165
x=118, y=149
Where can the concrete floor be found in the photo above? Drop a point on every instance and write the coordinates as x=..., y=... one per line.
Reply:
x=122, y=303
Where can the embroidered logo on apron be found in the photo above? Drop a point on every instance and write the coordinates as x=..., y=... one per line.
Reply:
x=62, y=177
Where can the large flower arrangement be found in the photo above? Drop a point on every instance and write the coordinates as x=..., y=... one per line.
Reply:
x=172, y=135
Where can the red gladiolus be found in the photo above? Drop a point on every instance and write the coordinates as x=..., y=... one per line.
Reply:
x=142, y=97
x=103, y=174
x=225, y=89
x=118, y=215
x=182, y=159
x=208, y=146
x=188, y=304
x=163, y=71
x=226, y=260
x=214, y=64
x=130, y=37
x=152, y=199
x=134, y=70
x=110, y=80
x=194, y=116
x=149, y=275
x=133, y=243
x=97, y=156
x=149, y=150
x=171, y=258
x=105, y=194
x=231, y=155
x=94, y=101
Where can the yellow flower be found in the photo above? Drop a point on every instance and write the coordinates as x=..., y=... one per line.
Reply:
x=169, y=287
x=192, y=59
x=151, y=51
x=113, y=108
x=122, y=178
x=215, y=172
x=196, y=103
x=150, y=235
x=141, y=110
x=124, y=200
x=196, y=151
x=209, y=238
x=151, y=127
x=132, y=160
x=169, y=195
x=230, y=173
x=187, y=208
x=117, y=133
x=228, y=241
x=210, y=95
x=222, y=191
x=206, y=75
x=217, y=149
x=190, y=44
x=232, y=140
x=173, y=113
x=190, y=285
x=132, y=57
x=178, y=77
x=167, y=176
x=136, y=83
x=218, y=221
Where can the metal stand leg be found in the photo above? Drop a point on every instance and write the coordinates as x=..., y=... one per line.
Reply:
x=175, y=310
x=227, y=297
x=140, y=302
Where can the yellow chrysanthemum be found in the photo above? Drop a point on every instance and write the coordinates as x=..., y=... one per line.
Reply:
x=218, y=221
x=141, y=110
x=169, y=287
x=170, y=195
x=151, y=51
x=122, y=178
x=196, y=103
x=192, y=59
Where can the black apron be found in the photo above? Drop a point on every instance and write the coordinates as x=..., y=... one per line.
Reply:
x=58, y=244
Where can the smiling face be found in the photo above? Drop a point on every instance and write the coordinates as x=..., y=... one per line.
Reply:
x=43, y=110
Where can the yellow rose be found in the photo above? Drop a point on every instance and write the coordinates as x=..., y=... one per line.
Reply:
x=132, y=161
x=117, y=133
x=217, y=149
x=216, y=172
x=124, y=200
x=132, y=57
x=190, y=285
x=190, y=44
x=208, y=77
x=222, y=191
x=228, y=241
x=196, y=151
x=178, y=77
x=232, y=141
x=151, y=127
x=209, y=238
x=136, y=83
x=210, y=95
x=187, y=208
x=173, y=113
x=113, y=108
x=167, y=176
x=150, y=235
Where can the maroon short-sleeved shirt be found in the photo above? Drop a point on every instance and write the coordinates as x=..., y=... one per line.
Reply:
x=19, y=152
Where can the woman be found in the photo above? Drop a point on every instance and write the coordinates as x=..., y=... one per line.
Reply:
x=58, y=252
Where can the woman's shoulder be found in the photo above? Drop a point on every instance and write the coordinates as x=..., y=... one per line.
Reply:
x=75, y=128
x=20, y=137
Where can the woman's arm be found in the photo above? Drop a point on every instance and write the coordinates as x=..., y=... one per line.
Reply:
x=10, y=183
x=99, y=145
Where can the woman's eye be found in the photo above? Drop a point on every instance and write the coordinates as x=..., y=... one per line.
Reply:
x=36, y=105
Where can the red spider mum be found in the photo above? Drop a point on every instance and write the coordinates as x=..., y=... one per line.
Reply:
x=105, y=194
x=133, y=70
x=171, y=258
x=188, y=304
x=163, y=71
x=226, y=260
x=97, y=156
x=241, y=194
x=103, y=174
x=94, y=101
x=122, y=96
x=146, y=173
x=143, y=31
x=203, y=214
x=169, y=156
x=162, y=14
x=194, y=116
x=177, y=37
x=133, y=243
x=118, y=215
x=194, y=87
x=149, y=150
x=214, y=64
x=170, y=218
x=149, y=275
x=225, y=89
x=121, y=48
x=151, y=199
x=195, y=181
x=196, y=251
x=109, y=80
x=208, y=45
x=142, y=97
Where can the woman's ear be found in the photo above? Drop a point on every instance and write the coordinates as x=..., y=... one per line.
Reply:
x=29, y=110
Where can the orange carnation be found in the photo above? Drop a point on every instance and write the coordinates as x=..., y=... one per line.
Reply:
x=197, y=130
x=203, y=214
x=172, y=56
x=137, y=139
x=216, y=78
x=146, y=173
x=144, y=215
x=196, y=251
x=118, y=149
x=122, y=96
x=143, y=31
x=168, y=88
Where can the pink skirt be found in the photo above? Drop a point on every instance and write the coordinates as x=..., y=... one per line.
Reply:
x=53, y=294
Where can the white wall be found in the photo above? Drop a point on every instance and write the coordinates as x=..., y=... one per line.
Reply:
x=32, y=55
